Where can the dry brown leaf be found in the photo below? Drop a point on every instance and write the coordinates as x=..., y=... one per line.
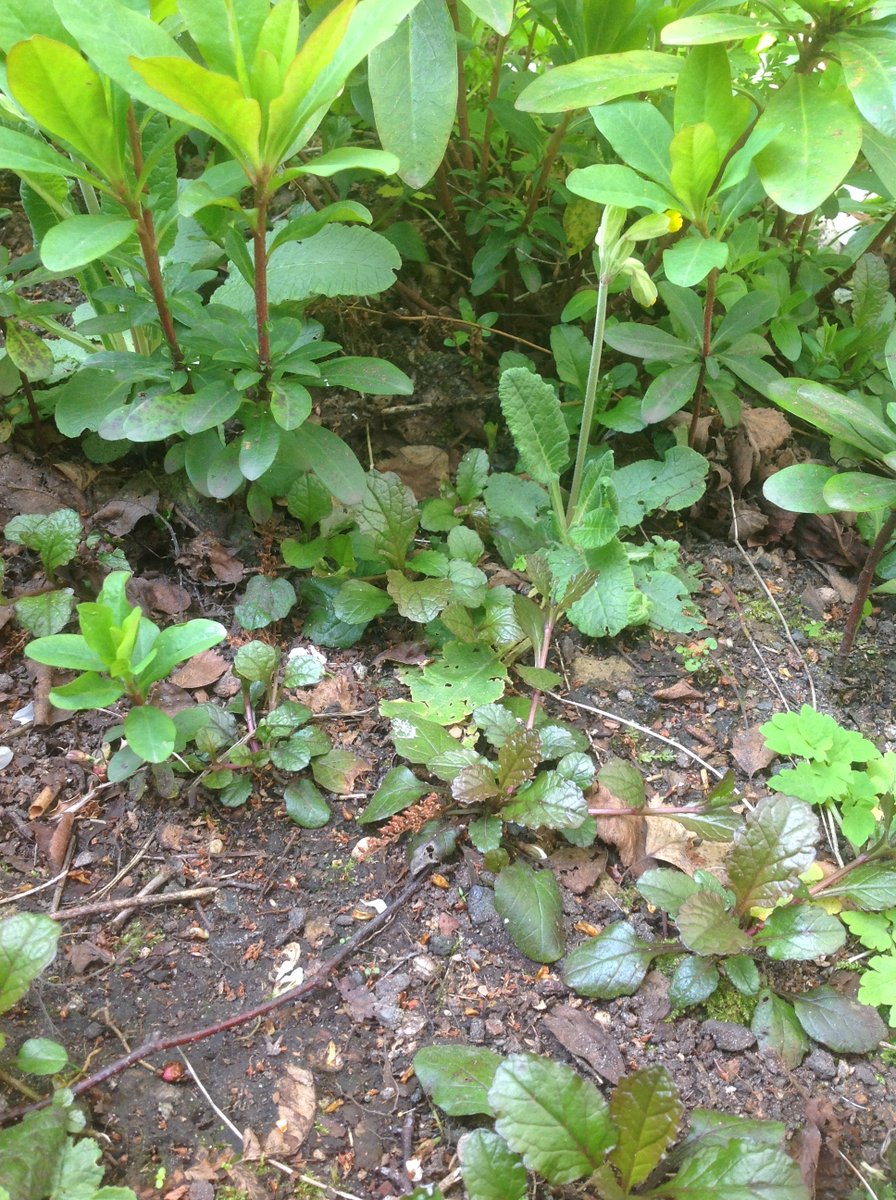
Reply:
x=121, y=514
x=43, y=800
x=79, y=474
x=749, y=751
x=667, y=840
x=627, y=834
x=767, y=428
x=296, y=1100
x=59, y=842
x=158, y=595
x=336, y=693
x=409, y=654
x=683, y=689
x=750, y=521
x=421, y=468
x=201, y=670
x=206, y=549
x=583, y=1037
x=578, y=868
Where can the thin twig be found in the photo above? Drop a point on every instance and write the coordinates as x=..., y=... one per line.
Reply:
x=126, y=902
x=855, y=1170
x=156, y=1044
x=773, y=602
x=155, y=884
x=40, y=887
x=660, y=737
x=126, y=869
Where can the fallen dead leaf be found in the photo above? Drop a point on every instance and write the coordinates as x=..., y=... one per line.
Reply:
x=296, y=1100
x=421, y=468
x=204, y=549
x=158, y=595
x=201, y=670
x=583, y=1037
x=627, y=834
x=749, y=751
x=578, y=868
x=665, y=839
x=683, y=689
x=357, y=1000
x=122, y=513
x=43, y=800
x=410, y=654
x=336, y=693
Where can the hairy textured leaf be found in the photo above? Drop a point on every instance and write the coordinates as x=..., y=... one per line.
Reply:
x=706, y=926
x=801, y=931
x=738, y=1170
x=27, y=945
x=388, y=516
x=550, y=802
x=535, y=420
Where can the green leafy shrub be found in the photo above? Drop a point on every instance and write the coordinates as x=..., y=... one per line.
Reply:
x=553, y=1123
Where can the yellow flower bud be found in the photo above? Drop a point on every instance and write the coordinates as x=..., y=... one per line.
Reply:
x=642, y=286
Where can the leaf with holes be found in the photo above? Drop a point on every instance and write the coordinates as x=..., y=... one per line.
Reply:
x=465, y=677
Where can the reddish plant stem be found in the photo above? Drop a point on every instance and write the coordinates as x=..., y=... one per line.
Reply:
x=157, y=1044
x=863, y=584
x=463, y=119
x=542, y=663
x=260, y=251
x=708, y=306
x=696, y=810
x=149, y=245
x=441, y=180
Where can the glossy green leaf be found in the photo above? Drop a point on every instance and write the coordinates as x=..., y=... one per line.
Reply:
x=614, y=183
x=358, y=602
x=775, y=844
x=65, y=95
x=290, y=403
x=549, y=801
x=612, y=964
x=738, y=1170
x=413, y=86
x=490, y=1169
x=647, y=1112
x=256, y=662
x=305, y=806
x=531, y=907
x=534, y=417
x=67, y=650
x=226, y=32
x=835, y=414
x=704, y=93
x=696, y=159
x=692, y=258
x=599, y=79
x=27, y=945
x=640, y=136
x=871, y=887
x=799, y=488
x=208, y=100
x=87, y=691
x=28, y=155
x=77, y=241
x=743, y=973
x=41, y=1056
x=457, y=1077
x=869, y=68
x=419, y=740
x=807, y=116
x=332, y=461
x=372, y=376
x=666, y=889
x=555, y=1119
x=776, y=1028
x=694, y=980
x=211, y=405
x=841, y=1024
x=859, y=491
x=20, y=19
x=150, y=732
x=800, y=932
x=706, y=29
x=259, y=444
x=669, y=392
x=399, y=789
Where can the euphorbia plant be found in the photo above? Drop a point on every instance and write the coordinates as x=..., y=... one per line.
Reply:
x=120, y=652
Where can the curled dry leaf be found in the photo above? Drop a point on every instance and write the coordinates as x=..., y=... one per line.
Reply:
x=578, y=868
x=421, y=468
x=681, y=690
x=583, y=1037
x=627, y=834
x=121, y=514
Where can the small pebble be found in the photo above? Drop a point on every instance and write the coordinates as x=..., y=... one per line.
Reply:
x=625, y=695
x=481, y=905
x=728, y=1035
x=477, y=1030
x=441, y=946
x=822, y=1064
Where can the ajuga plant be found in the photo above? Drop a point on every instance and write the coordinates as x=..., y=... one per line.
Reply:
x=229, y=379
x=552, y=1123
